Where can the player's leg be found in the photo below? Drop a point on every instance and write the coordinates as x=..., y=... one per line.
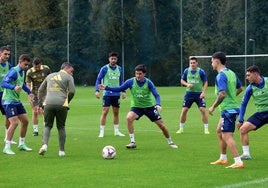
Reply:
x=106, y=103
x=244, y=138
x=6, y=122
x=14, y=121
x=116, y=107
x=22, y=115
x=182, y=120
x=165, y=132
x=49, y=115
x=186, y=105
x=61, y=116
x=12, y=115
x=153, y=114
x=228, y=129
x=35, y=120
x=223, y=156
x=131, y=117
x=204, y=119
x=23, y=130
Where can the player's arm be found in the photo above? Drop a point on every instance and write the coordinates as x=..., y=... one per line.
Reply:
x=244, y=103
x=100, y=76
x=221, y=82
x=7, y=80
x=239, y=88
x=71, y=89
x=204, y=80
x=184, y=79
x=203, y=93
x=121, y=82
x=127, y=84
x=156, y=95
x=42, y=90
x=28, y=79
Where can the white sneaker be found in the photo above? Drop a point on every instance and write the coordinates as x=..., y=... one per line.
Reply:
x=101, y=135
x=118, y=133
x=172, y=145
x=62, y=153
x=8, y=151
x=43, y=149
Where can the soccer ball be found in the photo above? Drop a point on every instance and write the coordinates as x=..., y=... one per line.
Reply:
x=108, y=152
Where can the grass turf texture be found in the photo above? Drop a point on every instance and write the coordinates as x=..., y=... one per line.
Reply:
x=152, y=164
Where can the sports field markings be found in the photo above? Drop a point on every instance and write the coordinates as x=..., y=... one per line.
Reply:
x=242, y=184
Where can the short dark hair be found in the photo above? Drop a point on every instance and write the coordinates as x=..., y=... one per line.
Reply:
x=141, y=67
x=220, y=56
x=253, y=68
x=36, y=61
x=113, y=54
x=7, y=48
x=193, y=58
x=66, y=64
x=24, y=57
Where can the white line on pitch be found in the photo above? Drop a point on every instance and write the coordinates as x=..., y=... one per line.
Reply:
x=257, y=181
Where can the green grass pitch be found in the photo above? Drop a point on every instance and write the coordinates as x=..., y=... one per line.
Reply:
x=151, y=164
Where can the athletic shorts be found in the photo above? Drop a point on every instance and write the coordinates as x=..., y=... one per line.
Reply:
x=229, y=119
x=259, y=119
x=150, y=112
x=14, y=109
x=190, y=98
x=111, y=101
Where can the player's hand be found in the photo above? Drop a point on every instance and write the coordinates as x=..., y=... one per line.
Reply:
x=202, y=95
x=159, y=108
x=190, y=85
x=238, y=125
x=31, y=98
x=38, y=110
x=124, y=95
x=17, y=88
x=97, y=94
x=101, y=86
x=211, y=110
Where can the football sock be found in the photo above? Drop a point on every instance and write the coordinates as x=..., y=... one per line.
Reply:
x=132, y=138
x=181, y=126
x=21, y=141
x=223, y=157
x=116, y=128
x=35, y=128
x=245, y=150
x=237, y=160
x=169, y=140
x=206, y=126
x=102, y=127
x=7, y=144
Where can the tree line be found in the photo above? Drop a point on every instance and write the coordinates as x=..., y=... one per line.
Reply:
x=142, y=31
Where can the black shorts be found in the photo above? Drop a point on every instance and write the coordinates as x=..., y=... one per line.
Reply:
x=150, y=112
x=190, y=98
x=259, y=119
x=111, y=101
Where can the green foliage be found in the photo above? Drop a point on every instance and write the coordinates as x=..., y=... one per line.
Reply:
x=152, y=164
x=149, y=31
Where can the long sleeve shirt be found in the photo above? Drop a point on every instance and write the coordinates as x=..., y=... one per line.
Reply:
x=129, y=83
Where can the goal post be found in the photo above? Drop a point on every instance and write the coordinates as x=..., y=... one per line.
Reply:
x=238, y=63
